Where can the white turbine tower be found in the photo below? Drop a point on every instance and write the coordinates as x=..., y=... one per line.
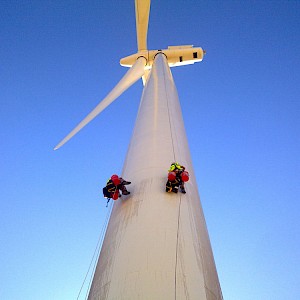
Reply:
x=156, y=244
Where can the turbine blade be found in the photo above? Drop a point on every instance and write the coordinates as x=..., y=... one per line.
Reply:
x=132, y=75
x=142, y=8
x=145, y=76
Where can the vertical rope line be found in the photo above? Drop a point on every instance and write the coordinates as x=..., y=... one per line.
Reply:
x=177, y=241
x=174, y=156
x=99, y=249
x=168, y=108
x=93, y=272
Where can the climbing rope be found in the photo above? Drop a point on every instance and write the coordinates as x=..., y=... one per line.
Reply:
x=177, y=243
x=97, y=251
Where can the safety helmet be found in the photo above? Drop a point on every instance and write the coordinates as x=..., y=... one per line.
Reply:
x=115, y=179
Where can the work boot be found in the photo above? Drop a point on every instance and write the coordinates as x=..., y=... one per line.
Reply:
x=125, y=192
x=182, y=189
x=126, y=182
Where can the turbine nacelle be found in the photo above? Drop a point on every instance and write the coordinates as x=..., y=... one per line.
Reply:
x=176, y=56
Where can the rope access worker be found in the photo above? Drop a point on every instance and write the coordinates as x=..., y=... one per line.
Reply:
x=176, y=178
x=113, y=185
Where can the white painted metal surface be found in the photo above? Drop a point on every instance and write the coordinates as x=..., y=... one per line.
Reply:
x=156, y=245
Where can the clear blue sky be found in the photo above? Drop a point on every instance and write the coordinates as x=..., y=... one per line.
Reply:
x=58, y=59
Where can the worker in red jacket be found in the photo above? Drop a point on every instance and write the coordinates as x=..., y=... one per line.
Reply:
x=114, y=185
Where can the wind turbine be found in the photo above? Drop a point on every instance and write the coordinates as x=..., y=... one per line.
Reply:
x=140, y=63
x=156, y=244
